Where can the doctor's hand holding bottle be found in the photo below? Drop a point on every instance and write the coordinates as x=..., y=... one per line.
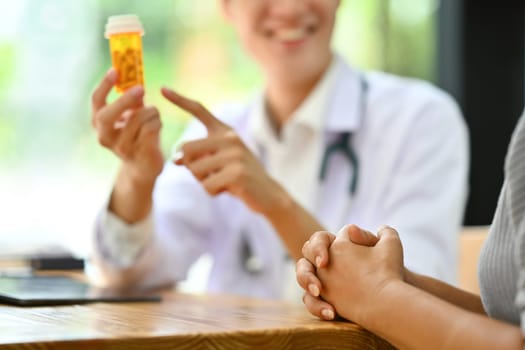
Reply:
x=132, y=132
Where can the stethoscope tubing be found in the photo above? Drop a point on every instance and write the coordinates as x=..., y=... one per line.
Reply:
x=342, y=144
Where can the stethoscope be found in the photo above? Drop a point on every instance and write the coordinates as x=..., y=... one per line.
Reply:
x=342, y=144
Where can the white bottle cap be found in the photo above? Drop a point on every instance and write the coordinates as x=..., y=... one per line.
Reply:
x=123, y=24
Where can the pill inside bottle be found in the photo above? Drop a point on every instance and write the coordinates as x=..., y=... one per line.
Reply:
x=125, y=44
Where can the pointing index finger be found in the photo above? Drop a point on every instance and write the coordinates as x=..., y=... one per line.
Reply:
x=211, y=123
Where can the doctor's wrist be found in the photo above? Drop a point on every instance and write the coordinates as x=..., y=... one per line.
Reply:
x=137, y=178
x=279, y=205
x=131, y=198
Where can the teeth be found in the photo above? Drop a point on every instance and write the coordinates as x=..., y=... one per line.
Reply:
x=291, y=34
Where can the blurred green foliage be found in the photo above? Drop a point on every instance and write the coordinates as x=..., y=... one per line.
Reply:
x=190, y=47
x=7, y=53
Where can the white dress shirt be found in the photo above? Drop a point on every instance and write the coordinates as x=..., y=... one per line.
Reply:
x=412, y=149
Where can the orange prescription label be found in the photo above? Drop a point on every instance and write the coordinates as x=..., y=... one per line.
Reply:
x=126, y=57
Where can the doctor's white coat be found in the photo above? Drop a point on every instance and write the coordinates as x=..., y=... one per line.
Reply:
x=412, y=147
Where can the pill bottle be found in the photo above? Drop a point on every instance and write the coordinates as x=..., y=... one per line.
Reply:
x=125, y=44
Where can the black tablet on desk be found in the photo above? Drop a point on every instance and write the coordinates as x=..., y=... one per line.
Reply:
x=36, y=290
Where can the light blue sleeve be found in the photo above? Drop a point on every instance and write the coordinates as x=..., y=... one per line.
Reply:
x=119, y=242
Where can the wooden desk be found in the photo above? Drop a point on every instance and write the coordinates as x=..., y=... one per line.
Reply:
x=180, y=321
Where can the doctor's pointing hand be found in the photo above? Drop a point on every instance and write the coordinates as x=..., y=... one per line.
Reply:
x=222, y=162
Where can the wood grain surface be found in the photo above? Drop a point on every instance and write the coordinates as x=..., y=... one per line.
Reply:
x=180, y=321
